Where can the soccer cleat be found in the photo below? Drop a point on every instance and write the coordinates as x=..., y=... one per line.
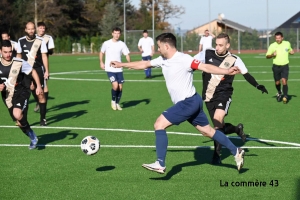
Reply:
x=34, y=140
x=239, y=158
x=155, y=167
x=278, y=97
x=43, y=122
x=37, y=108
x=113, y=105
x=241, y=132
x=118, y=107
x=285, y=99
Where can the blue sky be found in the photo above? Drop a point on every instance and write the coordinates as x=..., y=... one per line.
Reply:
x=251, y=13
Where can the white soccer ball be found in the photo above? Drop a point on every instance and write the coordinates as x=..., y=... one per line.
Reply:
x=90, y=145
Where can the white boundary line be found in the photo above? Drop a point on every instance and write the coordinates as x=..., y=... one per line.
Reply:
x=295, y=145
x=142, y=146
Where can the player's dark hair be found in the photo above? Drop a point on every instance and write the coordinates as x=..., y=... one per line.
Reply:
x=4, y=32
x=145, y=31
x=225, y=36
x=116, y=29
x=278, y=33
x=41, y=24
x=5, y=43
x=167, y=38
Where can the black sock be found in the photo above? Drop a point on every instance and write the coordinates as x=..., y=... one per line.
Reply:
x=285, y=90
x=25, y=127
x=42, y=110
x=278, y=87
x=229, y=128
x=10, y=110
x=46, y=97
x=217, y=145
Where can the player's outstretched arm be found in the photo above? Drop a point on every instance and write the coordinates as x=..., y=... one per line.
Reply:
x=134, y=65
x=217, y=70
x=250, y=79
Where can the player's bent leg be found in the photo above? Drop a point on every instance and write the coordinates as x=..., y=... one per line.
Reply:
x=25, y=127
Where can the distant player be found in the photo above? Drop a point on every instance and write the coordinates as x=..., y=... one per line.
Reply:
x=33, y=49
x=5, y=36
x=206, y=41
x=113, y=49
x=279, y=51
x=217, y=89
x=41, y=28
x=178, y=70
x=15, y=79
x=146, y=47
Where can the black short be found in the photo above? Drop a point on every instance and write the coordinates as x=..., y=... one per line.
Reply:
x=280, y=71
x=40, y=72
x=20, y=100
x=218, y=104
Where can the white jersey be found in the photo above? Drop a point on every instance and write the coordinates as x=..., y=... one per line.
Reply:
x=178, y=75
x=146, y=44
x=238, y=62
x=113, y=52
x=206, y=42
x=14, y=44
x=48, y=40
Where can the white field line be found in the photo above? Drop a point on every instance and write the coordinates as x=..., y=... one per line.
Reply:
x=147, y=131
x=101, y=80
x=141, y=146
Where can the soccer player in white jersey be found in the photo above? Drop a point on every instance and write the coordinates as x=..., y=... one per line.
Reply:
x=41, y=32
x=217, y=89
x=178, y=70
x=206, y=41
x=146, y=47
x=113, y=49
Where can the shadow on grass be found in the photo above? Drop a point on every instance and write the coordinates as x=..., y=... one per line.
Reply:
x=52, y=137
x=68, y=105
x=63, y=116
x=156, y=76
x=202, y=155
x=290, y=97
x=105, y=168
x=298, y=189
x=127, y=104
x=32, y=100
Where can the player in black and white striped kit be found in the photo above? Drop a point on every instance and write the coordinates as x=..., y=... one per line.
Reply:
x=217, y=89
x=33, y=49
x=15, y=77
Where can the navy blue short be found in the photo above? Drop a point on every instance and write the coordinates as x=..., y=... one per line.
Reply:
x=190, y=109
x=146, y=58
x=116, y=76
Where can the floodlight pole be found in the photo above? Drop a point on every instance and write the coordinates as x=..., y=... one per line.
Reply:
x=152, y=19
x=267, y=24
x=209, y=15
x=124, y=21
x=35, y=13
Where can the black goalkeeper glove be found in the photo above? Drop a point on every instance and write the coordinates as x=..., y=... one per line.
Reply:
x=262, y=88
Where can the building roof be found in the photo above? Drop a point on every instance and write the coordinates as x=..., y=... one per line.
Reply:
x=293, y=22
x=230, y=24
x=235, y=25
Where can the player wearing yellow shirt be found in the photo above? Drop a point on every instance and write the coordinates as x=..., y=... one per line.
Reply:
x=279, y=51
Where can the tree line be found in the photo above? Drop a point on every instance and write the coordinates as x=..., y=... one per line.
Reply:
x=85, y=18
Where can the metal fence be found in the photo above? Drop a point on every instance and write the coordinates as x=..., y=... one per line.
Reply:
x=257, y=40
